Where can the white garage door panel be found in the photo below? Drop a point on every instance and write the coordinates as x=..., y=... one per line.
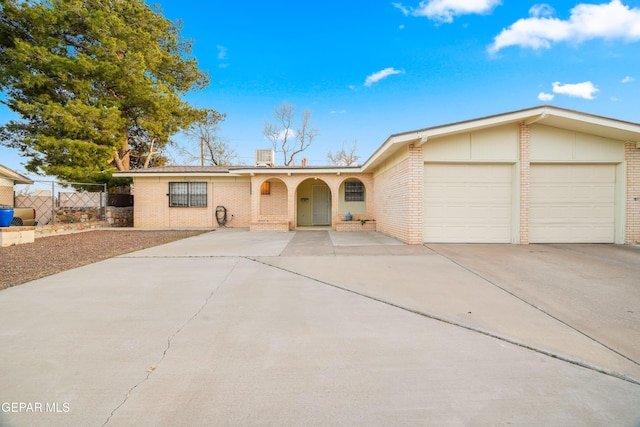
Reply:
x=467, y=203
x=572, y=204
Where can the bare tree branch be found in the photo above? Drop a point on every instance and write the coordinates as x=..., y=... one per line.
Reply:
x=346, y=156
x=204, y=134
x=281, y=132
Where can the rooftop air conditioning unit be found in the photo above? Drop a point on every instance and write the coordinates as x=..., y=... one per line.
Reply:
x=264, y=158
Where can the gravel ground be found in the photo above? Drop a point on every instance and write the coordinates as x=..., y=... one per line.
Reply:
x=53, y=254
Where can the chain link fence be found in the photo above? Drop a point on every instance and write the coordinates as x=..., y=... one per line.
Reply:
x=56, y=203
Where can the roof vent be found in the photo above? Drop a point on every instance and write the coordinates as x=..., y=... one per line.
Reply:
x=264, y=158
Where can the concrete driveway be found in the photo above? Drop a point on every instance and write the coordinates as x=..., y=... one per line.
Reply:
x=325, y=328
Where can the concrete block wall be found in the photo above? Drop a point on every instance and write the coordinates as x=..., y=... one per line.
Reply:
x=11, y=236
x=632, y=158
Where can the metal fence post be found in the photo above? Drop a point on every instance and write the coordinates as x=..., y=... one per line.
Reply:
x=103, y=204
x=53, y=202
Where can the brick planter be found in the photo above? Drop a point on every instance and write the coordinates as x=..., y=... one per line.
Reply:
x=355, y=225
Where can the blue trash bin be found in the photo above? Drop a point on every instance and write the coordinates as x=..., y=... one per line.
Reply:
x=6, y=215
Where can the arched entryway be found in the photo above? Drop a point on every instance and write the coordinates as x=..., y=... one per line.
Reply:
x=313, y=199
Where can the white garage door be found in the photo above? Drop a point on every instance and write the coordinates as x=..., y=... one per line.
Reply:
x=572, y=204
x=467, y=203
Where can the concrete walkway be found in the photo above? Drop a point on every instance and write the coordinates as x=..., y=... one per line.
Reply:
x=326, y=328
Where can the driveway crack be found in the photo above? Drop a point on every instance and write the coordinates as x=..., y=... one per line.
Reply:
x=152, y=368
x=438, y=318
x=540, y=309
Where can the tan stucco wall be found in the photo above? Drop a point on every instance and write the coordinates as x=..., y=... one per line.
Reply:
x=487, y=145
x=355, y=208
x=549, y=144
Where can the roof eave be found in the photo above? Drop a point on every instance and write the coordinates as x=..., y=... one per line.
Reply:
x=299, y=170
x=242, y=171
x=14, y=176
x=132, y=174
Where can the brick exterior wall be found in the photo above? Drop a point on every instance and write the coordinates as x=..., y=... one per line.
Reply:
x=525, y=168
x=236, y=198
x=393, y=198
x=275, y=203
x=632, y=157
x=355, y=225
x=152, y=204
x=242, y=199
x=416, y=191
x=280, y=207
x=399, y=192
x=6, y=195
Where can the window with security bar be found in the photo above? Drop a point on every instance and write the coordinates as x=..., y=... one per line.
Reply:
x=188, y=194
x=353, y=191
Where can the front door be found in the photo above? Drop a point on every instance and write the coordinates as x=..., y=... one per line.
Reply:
x=321, y=199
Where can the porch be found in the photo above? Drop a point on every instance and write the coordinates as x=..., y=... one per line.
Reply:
x=322, y=201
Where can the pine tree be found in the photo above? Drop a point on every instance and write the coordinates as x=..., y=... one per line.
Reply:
x=94, y=83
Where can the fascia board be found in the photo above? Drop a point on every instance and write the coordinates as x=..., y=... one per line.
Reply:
x=297, y=171
x=173, y=174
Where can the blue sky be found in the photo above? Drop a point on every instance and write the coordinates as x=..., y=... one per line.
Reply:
x=367, y=70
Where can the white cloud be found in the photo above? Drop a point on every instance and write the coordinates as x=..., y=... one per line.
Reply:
x=376, y=77
x=545, y=96
x=608, y=21
x=338, y=111
x=402, y=9
x=288, y=133
x=578, y=90
x=445, y=10
x=222, y=52
x=627, y=79
x=541, y=10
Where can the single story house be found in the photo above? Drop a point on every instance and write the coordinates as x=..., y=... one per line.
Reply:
x=8, y=178
x=538, y=175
